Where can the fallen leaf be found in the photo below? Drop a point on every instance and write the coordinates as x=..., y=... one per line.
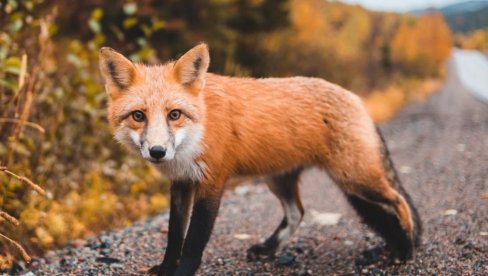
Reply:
x=348, y=242
x=405, y=169
x=325, y=218
x=460, y=147
x=450, y=212
x=242, y=236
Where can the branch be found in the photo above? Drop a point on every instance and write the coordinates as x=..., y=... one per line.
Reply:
x=28, y=124
x=25, y=180
x=24, y=254
x=9, y=218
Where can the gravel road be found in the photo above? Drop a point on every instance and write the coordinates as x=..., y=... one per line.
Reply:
x=440, y=149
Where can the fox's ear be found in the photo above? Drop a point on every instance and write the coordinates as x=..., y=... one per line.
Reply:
x=191, y=68
x=116, y=69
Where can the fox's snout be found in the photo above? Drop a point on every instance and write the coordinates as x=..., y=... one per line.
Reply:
x=157, y=144
x=157, y=152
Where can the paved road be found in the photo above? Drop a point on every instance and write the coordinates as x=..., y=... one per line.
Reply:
x=472, y=68
x=441, y=149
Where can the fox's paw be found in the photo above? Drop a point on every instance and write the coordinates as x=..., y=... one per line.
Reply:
x=156, y=270
x=160, y=270
x=260, y=250
x=402, y=255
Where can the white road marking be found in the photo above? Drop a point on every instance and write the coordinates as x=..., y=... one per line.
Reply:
x=472, y=68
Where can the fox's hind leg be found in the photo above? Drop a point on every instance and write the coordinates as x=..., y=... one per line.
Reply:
x=366, y=175
x=285, y=187
x=390, y=214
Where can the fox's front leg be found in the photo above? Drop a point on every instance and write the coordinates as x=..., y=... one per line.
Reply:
x=181, y=203
x=205, y=209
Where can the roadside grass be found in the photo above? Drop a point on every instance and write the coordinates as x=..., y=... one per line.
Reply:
x=383, y=104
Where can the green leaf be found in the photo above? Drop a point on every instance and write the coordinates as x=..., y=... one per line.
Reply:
x=158, y=24
x=12, y=62
x=130, y=8
x=73, y=59
x=10, y=84
x=97, y=14
x=129, y=22
x=3, y=149
x=20, y=149
x=141, y=41
x=11, y=5
x=94, y=25
x=118, y=33
x=16, y=25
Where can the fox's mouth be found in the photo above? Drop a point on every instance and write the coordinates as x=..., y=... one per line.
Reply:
x=156, y=161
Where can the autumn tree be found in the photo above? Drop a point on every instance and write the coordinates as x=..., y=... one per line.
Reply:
x=421, y=45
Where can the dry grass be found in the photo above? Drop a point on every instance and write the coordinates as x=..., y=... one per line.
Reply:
x=7, y=217
x=382, y=105
x=23, y=97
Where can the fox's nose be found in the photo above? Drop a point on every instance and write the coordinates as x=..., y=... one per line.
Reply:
x=157, y=152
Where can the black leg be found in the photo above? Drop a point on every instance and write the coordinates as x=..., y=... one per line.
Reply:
x=285, y=187
x=387, y=224
x=204, y=214
x=269, y=247
x=181, y=202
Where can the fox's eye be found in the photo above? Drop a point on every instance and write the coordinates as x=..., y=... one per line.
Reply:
x=174, y=114
x=138, y=116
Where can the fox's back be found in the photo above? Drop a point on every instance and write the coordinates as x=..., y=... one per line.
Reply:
x=282, y=121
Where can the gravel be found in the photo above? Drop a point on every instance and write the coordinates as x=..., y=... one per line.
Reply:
x=441, y=149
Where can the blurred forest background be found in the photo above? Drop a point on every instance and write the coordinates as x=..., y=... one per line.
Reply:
x=53, y=129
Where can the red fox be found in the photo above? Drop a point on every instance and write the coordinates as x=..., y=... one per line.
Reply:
x=200, y=129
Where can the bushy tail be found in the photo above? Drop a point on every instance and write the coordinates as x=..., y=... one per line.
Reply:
x=394, y=217
x=395, y=182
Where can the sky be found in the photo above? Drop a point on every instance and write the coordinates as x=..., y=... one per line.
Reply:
x=401, y=5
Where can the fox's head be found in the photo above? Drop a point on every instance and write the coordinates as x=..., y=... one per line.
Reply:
x=157, y=110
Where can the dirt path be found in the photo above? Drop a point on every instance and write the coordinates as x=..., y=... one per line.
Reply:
x=441, y=150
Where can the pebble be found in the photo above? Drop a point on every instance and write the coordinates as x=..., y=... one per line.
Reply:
x=286, y=259
x=105, y=251
x=107, y=260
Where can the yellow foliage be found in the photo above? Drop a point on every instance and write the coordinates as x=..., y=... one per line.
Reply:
x=353, y=36
x=307, y=19
x=31, y=217
x=383, y=104
x=6, y=261
x=56, y=226
x=43, y=236
x=420, y=46
x=157, y=203
x=476, y=40
x=98, y=208
x=138, y=187
x=404, y=46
